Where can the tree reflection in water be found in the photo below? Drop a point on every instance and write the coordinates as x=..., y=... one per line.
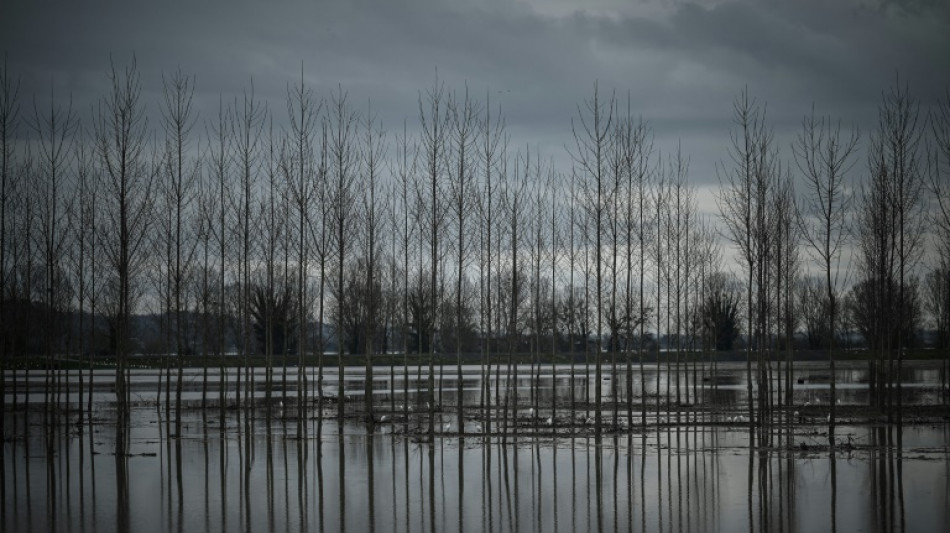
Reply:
x=252, y=471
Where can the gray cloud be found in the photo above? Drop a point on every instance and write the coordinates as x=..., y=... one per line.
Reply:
x=682, y=63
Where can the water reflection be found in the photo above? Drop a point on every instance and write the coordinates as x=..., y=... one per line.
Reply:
x=922, y=383
x=249, y=471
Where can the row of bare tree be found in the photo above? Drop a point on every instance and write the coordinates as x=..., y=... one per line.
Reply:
x=245, y=237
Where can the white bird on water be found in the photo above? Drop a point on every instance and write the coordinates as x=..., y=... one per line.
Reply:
x=549, y=421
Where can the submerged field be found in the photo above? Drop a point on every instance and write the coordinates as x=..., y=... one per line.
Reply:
x=526, y=456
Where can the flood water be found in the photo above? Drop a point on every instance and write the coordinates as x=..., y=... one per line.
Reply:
x=257, y=469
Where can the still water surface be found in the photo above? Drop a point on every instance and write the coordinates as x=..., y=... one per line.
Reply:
x=257, y=473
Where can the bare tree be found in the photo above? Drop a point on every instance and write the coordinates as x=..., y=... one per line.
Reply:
x=91, y=220
x=785, y=257
x=302, y=180
x=893, y=208
x=342, y=122
x=21, y=318
x=744, y=207
x=207, y=209
x=636, y=148
x=9, y=109
x=373, y=214
x=555, y=227
x=537, y=231
x=570, y=313
x=591, y=138
x=220, y=168
x=404, y=229
x=463, y=113
x=659, y=253
x=181, y=173
x=939, y=184
x=824, y=158
x=434, y=118
x=54, y=128
x=248, y=118
x=709, y=259
x=120, y=129
x=628, y=166
x=678, y=229
x=491, y=137
x=514, y=209
x=615, y=213
x=322, y=237
x=83, y=231
x=268, y=296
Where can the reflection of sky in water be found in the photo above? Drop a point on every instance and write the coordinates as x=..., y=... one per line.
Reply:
x=669, y=480
x=726, y=386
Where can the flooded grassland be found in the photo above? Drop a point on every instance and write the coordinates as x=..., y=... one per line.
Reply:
x=525, y=454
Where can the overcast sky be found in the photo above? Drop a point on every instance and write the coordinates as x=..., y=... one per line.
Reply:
x=682, y=63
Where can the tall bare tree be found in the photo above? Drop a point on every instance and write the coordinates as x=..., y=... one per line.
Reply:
x=9, y=109
x=939, y=182
x=635, y=146
x=83, y=232
x=538, y=248
x=404, y=173
x=120, y=129
x=661, y=194
x=787, y=270
x=207, y=210
x=181, y=173
x=248, y=118
x=434, y=118
x=267, y=295
x=491, y=134
x=219, y=164
x=743, y=202
x=463, y=112
x=373, y=214
x=591, y=133
x=824, y=156
x=514, y=208
x=322, y=238
x=893, y=225
x=304, y=114
x=54, y=127
x=343, y=165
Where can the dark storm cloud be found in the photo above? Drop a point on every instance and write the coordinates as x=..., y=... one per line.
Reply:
x=682, y=63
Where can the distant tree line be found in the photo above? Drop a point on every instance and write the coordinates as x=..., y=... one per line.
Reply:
x=332, y=232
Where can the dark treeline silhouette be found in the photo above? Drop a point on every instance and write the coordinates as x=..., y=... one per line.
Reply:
x=240, y=237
